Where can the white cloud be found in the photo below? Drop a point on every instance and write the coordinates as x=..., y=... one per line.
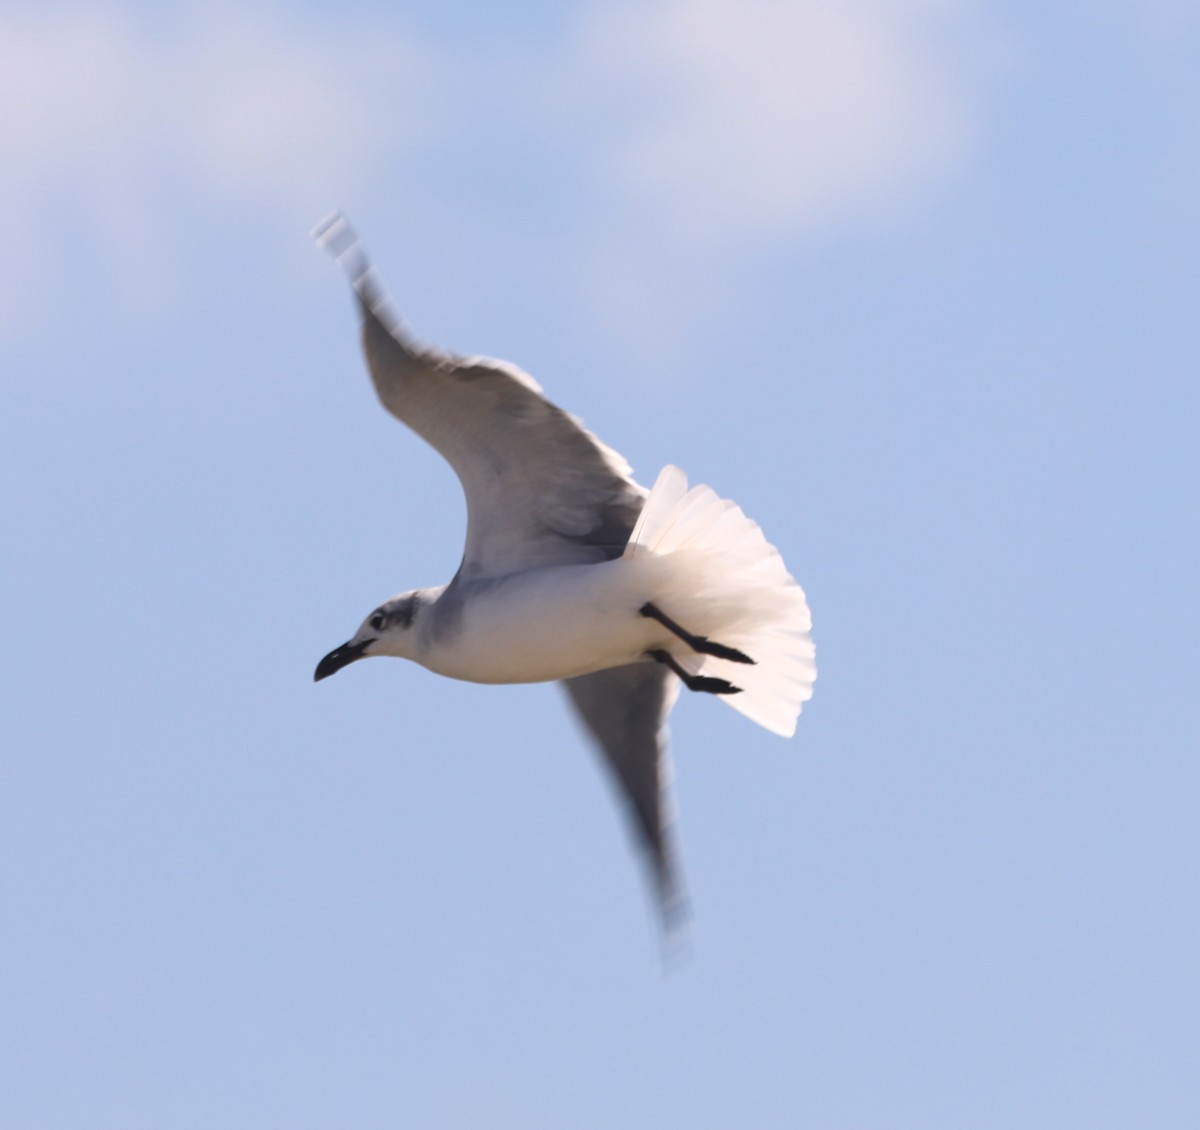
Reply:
x=265, y=110
x=699, y=124
x=778, y=115
x=114, y=124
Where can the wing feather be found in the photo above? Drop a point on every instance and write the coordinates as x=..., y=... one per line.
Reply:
x=625, y=711
x=540, y=488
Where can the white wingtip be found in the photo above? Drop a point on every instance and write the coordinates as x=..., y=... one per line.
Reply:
x=336, y=235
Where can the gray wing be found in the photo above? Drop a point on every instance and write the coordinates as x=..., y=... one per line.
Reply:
x=540, y=488
x=625, y=709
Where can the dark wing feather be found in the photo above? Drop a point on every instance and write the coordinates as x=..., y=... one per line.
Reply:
x=625, y=710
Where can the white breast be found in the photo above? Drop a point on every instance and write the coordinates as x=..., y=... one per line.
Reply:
x=542, y=625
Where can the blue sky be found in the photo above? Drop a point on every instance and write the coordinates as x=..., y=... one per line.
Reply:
x=914, y=282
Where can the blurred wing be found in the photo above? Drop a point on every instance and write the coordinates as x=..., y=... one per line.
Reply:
x=540, y=488
x=625, y=709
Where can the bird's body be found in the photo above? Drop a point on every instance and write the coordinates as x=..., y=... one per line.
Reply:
x=540, y=625
x=573, y=572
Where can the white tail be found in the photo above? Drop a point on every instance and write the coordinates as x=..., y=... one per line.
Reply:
x=727, y=582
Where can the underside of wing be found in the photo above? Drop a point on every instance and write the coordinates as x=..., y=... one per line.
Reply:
x=540, y=488
x=625, y=711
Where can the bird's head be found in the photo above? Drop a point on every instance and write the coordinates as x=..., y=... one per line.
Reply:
x=388, y=630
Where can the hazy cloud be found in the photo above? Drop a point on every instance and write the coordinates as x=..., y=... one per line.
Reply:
x=695, y=123
x=777, y=115
x=112, y=123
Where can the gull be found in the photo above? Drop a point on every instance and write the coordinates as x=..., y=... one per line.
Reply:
x=573, y=572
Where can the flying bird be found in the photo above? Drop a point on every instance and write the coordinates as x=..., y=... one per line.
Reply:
x=572, y=572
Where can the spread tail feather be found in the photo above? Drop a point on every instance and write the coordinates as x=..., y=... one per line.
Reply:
x=725, y=581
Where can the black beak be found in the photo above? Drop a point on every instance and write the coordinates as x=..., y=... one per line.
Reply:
x=338, y=658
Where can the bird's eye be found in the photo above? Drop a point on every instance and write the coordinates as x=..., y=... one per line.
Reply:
x=377, y=621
